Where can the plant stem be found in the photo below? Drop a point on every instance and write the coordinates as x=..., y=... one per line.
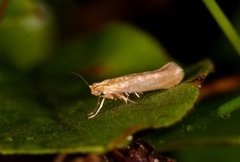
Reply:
x=224, y=23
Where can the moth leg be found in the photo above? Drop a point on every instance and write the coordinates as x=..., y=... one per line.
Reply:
x=96, y=111
x=137, y=94
x=126, y=94
x=97, y=106
x=129, y=100
x=126, y=99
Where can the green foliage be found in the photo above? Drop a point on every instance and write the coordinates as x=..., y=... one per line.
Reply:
x=199, y=70
x=223, y=23
x=29, y=127
x=228, y=107
x=115, y=49
x=43, y=108
x=204, y=135
x=26, y=34
x=45, y=112
x=204, y=128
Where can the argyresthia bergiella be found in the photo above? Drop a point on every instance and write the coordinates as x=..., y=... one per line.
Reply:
x=166, y=77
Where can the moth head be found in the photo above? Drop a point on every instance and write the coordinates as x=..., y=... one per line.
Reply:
x=97, y=89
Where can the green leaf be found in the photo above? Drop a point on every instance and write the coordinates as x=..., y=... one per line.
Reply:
x=29, y=125
x=26, y=34
x=224, y=23
x=203, y=128
x=199, y=70
x=228, y=107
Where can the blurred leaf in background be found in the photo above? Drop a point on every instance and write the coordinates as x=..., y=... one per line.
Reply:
x=26, y=32
x=115, y=49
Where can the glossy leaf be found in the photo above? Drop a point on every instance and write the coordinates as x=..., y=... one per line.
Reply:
x=204, y=128
x=29, y=126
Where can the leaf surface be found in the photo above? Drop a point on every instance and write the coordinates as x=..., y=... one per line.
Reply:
x=28, y=126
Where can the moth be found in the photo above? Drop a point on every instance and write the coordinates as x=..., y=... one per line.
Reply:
x=166, y=77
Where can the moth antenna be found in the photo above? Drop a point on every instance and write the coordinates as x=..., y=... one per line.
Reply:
x=84, y=80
